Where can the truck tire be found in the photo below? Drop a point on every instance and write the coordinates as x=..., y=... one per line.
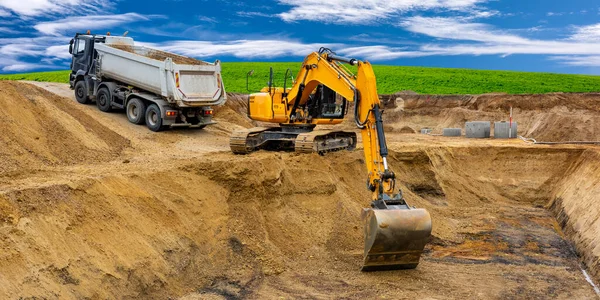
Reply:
x=81, y=92
x=154, y=119
x=136, y=111
x=103, y=100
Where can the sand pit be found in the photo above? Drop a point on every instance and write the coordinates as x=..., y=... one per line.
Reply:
x=197, y=222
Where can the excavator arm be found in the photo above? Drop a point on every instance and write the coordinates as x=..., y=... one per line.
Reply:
x=395, y=233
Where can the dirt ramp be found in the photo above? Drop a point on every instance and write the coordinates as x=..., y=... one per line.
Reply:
x=40, y=128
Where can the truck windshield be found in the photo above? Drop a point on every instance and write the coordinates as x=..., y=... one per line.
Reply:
x=79, y=47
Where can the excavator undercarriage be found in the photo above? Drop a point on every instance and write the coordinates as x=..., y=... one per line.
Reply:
x=302, y=139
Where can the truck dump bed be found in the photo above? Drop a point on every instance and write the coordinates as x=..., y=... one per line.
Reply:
x=178, y=79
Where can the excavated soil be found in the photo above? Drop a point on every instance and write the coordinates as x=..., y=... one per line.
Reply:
x=550, y=117
x=159, y=55
x=40, y=129
x=175, y=215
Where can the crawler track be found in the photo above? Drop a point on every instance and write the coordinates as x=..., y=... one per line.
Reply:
x=323, y=141
x=318, y=141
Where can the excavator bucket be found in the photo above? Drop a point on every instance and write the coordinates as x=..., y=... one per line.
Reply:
x=395, y=238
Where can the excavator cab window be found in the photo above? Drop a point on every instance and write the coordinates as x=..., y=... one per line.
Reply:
x=324, y=103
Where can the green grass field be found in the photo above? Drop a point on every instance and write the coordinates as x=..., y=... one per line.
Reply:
x=391, y=79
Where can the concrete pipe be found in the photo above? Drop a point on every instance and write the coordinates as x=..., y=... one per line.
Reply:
x=452, y=132
x=478, y=129
x=502, y=130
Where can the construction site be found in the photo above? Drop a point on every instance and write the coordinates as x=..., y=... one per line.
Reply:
x=93, y=207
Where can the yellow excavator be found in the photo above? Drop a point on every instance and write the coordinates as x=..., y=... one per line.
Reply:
x=395, y=233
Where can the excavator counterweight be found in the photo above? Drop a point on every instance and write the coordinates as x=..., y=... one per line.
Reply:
x=395, y=233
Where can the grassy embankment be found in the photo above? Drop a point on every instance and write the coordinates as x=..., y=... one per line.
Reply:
x=391, y=79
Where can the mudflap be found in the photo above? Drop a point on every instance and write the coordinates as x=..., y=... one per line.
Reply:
x=394, y=238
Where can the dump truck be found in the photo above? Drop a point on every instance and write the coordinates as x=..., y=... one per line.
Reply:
x=156, y=88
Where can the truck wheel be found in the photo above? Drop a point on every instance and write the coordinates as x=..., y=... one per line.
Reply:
x=81, y=93
x=136, y=111
x=103, y=100
x=154, y=118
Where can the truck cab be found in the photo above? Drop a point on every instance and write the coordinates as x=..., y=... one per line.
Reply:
x=82, y=51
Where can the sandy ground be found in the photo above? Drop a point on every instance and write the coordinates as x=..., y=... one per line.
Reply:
x=92, y=206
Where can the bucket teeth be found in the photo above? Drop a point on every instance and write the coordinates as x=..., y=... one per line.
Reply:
x=395, y=238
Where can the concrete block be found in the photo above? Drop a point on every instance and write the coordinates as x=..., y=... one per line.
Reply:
x=478, y=129
x=426, y=131
x=452, y=132
x=502, y=129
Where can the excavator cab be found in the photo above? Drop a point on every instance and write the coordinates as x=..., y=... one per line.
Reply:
x=325, y=103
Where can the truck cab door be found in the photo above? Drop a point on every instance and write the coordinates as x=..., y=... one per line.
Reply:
x=80, y=58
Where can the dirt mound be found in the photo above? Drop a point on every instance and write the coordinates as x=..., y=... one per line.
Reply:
x=39, y=128
x=235, y=111
x=548, y=117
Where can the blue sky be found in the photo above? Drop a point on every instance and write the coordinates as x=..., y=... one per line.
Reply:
x=550, y=36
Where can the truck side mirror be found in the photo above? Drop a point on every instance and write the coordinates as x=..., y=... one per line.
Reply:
x=71, y=46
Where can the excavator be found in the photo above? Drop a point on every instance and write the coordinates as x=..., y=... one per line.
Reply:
x=395, y=232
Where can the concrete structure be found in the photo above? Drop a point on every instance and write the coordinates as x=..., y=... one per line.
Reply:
x=452, y=132
x=426, y=131
x=478, y=129
x=502, y=130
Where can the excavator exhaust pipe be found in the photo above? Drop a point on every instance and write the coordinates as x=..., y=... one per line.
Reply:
x=395, y=237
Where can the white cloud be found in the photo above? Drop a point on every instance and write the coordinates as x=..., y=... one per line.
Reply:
x=70, y=24
x=7, y=30
x=538, y=48
x=58, y=52
x=240, y=48
x=364, y=11
x=207, y=19
x=579, y=61
x=4, y=13
x=23, y=66
x=14, y=52
x=381, y=53
x=457, y=29
x=34, y=8
x=458, y=37
x=253, y=14
x=590, y=33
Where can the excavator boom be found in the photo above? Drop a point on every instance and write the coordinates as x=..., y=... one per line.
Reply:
x=395, y=233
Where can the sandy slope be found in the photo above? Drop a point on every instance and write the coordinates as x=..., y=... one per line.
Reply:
x=174, y=214
x=551, y=117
